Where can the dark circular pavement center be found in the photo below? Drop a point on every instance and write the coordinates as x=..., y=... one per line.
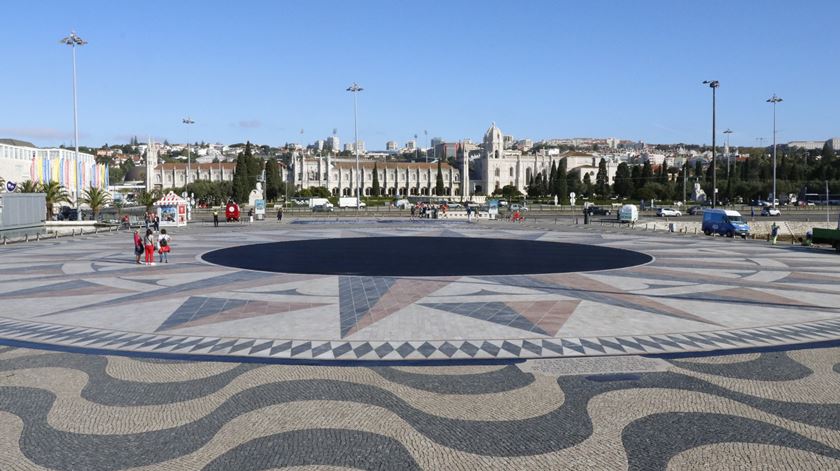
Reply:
x=424, y=256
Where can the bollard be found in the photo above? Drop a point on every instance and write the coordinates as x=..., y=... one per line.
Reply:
x=26, y=237
x=695, y=231
x=73, y=232
x=55, y=235
x=38, y=237
x=95, y=230
x=4, y=240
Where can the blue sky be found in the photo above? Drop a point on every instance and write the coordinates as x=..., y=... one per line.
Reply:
x=262, y=71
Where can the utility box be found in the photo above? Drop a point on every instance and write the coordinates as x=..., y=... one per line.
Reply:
x=22, y=214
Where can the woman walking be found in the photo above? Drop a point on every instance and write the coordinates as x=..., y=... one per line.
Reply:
x=149, y=243
x=163, y=246
x=138, y=246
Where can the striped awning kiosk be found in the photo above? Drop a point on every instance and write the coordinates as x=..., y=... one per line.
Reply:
x=172, y=210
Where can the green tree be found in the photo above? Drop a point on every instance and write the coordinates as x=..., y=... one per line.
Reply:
x=375, y=190
x=587, y=184
x=623, y=185
x=147, y=199
x=96, y=198
x=510, y=192
x=647, y=173
x=636, y=177
x=439, y=188
x=54, y=194
x=274, y=187
x=28, y=186
x=698, y=169
x=552, y=178
x=240, y=188
x=561, y=188
x=602, y=183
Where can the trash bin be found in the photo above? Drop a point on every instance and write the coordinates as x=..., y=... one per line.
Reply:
x=587, y=216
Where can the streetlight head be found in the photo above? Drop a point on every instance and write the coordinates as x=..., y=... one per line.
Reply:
x=73, y=40
x=187, y=121
x=354, y=88
x=711, y=83
x=774, y=99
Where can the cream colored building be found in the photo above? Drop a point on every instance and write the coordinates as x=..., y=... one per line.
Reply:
x=339, y=175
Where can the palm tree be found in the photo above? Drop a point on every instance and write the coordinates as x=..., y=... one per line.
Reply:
x=29, y=187
x=148, y=198
x=96, y=198
x=55, y=194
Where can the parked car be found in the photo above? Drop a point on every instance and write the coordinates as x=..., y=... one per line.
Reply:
x=770, y=211
x=518, y=207
x=695, y=210
x=322, y=208
x=668, y=212
x=598, y=211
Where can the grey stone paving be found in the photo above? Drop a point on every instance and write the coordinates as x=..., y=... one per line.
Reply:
x=69, y=411
x=699, y=294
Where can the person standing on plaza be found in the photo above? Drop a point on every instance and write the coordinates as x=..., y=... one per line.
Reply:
x=149, y=245
x=138, y=246
x=215, y=218
x=280, y=214
x=164, y=246
x=774, y=233
x=156, y=222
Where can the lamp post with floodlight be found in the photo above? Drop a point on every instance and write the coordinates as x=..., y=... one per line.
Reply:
x=355, y=89
x=74, y=40
x=188, y=121
x=774, y=99
x=713, y=84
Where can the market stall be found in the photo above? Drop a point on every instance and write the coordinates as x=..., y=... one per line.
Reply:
x=172, y=210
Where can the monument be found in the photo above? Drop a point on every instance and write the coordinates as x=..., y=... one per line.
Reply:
x=698, y=194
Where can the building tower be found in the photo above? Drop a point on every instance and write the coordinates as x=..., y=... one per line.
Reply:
x=151, y=164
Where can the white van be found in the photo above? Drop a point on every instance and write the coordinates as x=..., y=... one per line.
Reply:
x=628, y=213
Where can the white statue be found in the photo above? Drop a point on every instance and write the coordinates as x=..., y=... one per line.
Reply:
x=698, y=194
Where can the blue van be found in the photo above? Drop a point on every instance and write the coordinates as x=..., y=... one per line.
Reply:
x=724, y=222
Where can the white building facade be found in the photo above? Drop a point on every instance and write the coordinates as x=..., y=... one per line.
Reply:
x=19, y=163
x=340, y=176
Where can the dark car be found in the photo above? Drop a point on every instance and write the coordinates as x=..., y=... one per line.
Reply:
x=67, y=214
x=598, y=211
x=322, y=208
x=695, y=210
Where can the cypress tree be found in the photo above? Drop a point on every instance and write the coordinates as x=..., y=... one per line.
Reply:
x=272, y=180
x=560, y=184
x=602, y=184
x=374, y=186
x=240, y=189
x=623, y=181
x=439, y=188
x=552, y=178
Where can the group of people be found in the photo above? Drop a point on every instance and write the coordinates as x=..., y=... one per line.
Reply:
x=428, y=210
x=152, y=242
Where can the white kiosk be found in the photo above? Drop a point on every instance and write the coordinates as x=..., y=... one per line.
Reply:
x=172, y=210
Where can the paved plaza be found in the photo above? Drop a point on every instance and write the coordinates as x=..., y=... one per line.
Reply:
x=703, y=354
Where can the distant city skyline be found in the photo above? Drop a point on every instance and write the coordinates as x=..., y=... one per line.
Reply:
x=277, y=73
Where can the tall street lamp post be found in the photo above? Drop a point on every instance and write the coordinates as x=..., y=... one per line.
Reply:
x=774, y=99
x=74, y=40
x=713, y=84
x=188, y=122
x=355, y=89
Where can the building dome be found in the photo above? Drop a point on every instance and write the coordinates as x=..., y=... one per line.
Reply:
x=136, y=174
x=493, y=134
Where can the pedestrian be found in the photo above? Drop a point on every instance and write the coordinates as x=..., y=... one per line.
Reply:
x=149, y=245
x=251, y=215
x=216, y=218
x=138, y=246
x=413, y=211
x=774, y=233
x=157, y=223
x=752, y=211
x=146, y=221
x=280, y=214
x=164, y=246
